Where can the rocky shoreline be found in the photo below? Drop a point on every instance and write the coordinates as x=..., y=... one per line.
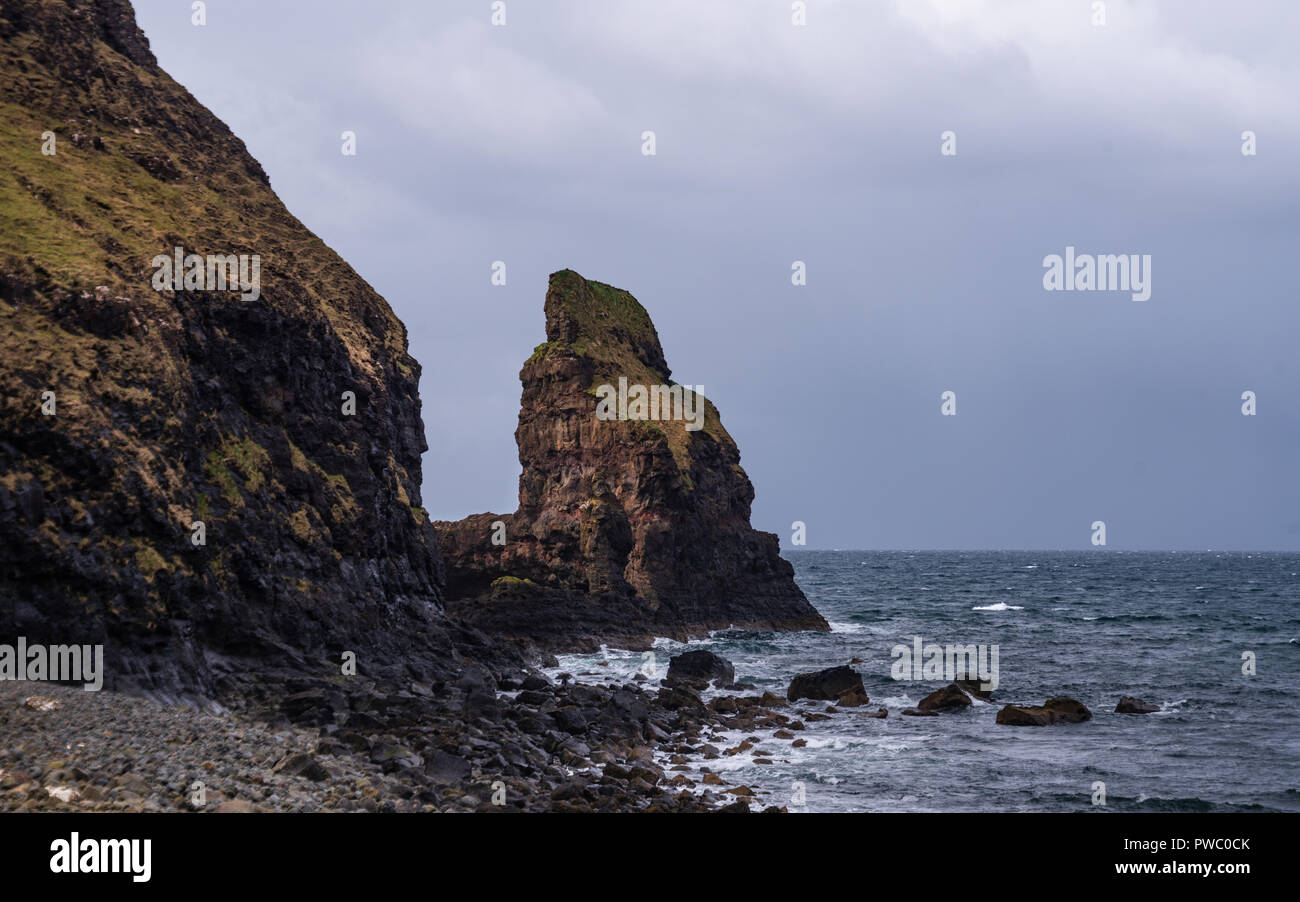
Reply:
x=514, y=743
x=523, y=744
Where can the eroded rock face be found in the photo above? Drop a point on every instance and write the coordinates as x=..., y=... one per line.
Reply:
x=187, y=406
x=626, y=529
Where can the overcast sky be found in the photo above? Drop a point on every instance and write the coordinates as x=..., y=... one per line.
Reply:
x=822, y=143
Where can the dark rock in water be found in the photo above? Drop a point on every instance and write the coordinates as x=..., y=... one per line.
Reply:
x=948, y=698
x=1130, y=705
x=917, y=712
x=876, y=712
x=825, y=685
x=626, y=529
x=1053, y=711
x=701, y=667
x=853, y=698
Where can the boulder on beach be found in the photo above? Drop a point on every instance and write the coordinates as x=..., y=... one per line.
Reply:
x=825, y=685
x=700, y=667
x=949, y=698
x=1130, y=705
x=1053, y=711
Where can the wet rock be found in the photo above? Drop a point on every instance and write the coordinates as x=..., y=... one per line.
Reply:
x=1053, y=711
x=917, y=712
x=1130, y=705
x=949, y=698
x=852, y=699
x=825, y=685
x=700, y=667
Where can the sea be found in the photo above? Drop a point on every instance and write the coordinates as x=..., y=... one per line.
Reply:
x=1212, y=638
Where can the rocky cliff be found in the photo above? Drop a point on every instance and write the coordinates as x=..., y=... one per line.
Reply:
x=181, y=475
x=627, y=528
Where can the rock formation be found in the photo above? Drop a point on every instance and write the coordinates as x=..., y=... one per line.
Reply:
x=826, y=685
x=129, y=415
x=950, y=697
x=1052, y=711
x=627, y=528
x=1130, y=705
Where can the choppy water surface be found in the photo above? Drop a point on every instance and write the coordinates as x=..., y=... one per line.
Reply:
x=1166, y=627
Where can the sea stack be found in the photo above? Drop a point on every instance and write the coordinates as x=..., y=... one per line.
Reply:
x=627, y=528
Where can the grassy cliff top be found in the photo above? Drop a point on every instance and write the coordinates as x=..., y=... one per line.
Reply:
x=604, y=323
x=139, y=167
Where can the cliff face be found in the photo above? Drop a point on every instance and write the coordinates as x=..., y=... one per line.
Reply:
x=627, y=528
x=177, y=407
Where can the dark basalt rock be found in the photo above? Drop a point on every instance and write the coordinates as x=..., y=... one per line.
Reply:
x=626, y=529
x=1130, y=705
x=825, y=685
x=853, y=698
x=1053, y=711
x=701, y=667
x=194, y=405
x=949, y=698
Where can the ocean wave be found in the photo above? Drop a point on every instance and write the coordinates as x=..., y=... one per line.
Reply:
x=998, y=606
x=842, y=626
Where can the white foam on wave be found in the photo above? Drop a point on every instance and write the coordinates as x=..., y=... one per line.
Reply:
x=997, y=606
x=846, y=627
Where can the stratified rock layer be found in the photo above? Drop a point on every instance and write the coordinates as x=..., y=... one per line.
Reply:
x=626, y=529
x=190, y=406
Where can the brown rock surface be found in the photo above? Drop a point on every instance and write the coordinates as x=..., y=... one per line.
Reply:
x=626, y=529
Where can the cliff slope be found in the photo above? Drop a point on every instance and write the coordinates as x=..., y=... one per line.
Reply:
x=626, y=528
x=177, y=407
